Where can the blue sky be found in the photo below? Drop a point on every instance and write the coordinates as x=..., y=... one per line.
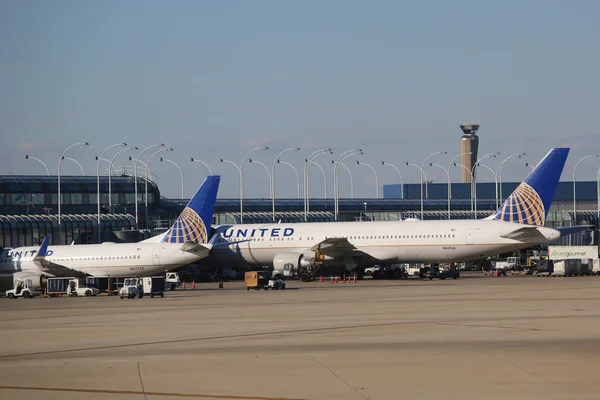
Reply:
x=216, y=79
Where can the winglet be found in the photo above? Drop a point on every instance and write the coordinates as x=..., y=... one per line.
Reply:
x=43, y=251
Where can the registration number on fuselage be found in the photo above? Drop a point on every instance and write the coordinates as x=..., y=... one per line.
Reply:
x=136, y=268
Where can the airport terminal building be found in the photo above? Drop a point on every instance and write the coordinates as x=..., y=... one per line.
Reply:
x=29, y=208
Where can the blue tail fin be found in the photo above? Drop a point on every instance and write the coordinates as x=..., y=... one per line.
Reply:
x=530, y=202
x=194, y=222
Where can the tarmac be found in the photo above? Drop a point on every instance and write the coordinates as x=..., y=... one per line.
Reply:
x=478, y=337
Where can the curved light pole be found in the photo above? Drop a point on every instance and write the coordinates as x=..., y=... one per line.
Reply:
x=598, y=200
x=374, y=172
x=146, y=183
x=111, y=165
x=192, y=159
x=98, y=181
x=529, y=165
x=297, y=175
x=240, y=184
x=351, y=178
x=421, y=181
x=272, y=176
x=62, y=156
x=336, y=180
x=447, y=171
x=307, y=163
x=452, y=162
x=495, y=182
x=268, y=174
x=37, y=159
x=135, y=168
x=499, y=172
x=474, y=174
x=78, y=164
x=241, y=169
x=574, y=191
x=423, y=169
x=473, y=192
x=180, y=173
x=399, y=174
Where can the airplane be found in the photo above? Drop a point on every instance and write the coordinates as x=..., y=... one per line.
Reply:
x=517, y=224
x=185, y=242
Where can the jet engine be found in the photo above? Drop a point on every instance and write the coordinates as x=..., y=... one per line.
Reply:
x=305, y=268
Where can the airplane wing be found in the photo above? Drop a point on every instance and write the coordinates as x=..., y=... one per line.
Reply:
x=51, y=267
x=339, y=248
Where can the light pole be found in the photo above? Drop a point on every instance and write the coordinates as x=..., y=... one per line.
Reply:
x=447, y=171
x=423, y=169
x=192, y=159
x=336, y=180
x=272, y=177
x=62, y=156
x=297, y=175
x=452, y=162
x=474, y=175
x=37, y=159
x=240, y=184
x=146, y=183
x=374, y=172
x=268, y=175
x=473, y=192
x=574, y=191
x=365, y=213
x=135, y=167
x=78, y=164
x=241, y=169
x=307, y=163
x=111, y=165
x=495, y=181
x=324, y=178
x=529, y=165
x=399, y=174
x=180, y=173
x=98, y=182
x=421, y=180
x=499, y=171
x=351, y=177
x=598, y=202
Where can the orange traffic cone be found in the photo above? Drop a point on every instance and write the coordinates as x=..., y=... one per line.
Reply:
x=354, y=278
x=337, y=279
x=193, y=284
x=321, y=278
x=183, y=285
x=331, y=279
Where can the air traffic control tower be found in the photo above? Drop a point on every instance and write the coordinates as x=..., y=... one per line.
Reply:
x=469, y=143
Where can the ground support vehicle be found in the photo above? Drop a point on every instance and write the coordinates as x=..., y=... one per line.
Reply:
x=69, y=286
x=257, y=280
x=105, y=284
x=153, y=286
x=276, y=284
x=440, y=272
x=172, y=280
x=23, y=288
x=305, y=273
x=132, y=288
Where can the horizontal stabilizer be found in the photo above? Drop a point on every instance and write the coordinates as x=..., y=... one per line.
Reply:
x=193, y=247
x=569, y=230
x=523, y=234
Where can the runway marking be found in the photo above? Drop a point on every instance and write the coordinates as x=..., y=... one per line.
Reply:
x=137, y=393
x=339, y=377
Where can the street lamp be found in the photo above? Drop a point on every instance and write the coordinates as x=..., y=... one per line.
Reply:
x=423, y=169
x=421, y=180
x=529, y=165
x=268, y=174
x=399, y=174
x=351, y=177
x=365, y=213
x=336, y=180
x=62, y=156
x=111, y=165
x=452, y=162
x=298, y=176
x=37, y=159
x=499, y=171
x=135, y=168
x=574, y=191
x=307, y=163
x=76, y=162
x=146, y=183
x=473, y=192
x=192, y=159
x=495, y=184
x=98, y=182
x=272, y=176
x=474, y=175
x=180, y=173
x=376, y=178
x=447, y=171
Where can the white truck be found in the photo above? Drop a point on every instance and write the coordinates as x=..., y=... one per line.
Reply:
x=139, y=287
x=70, y=286
x=291, y=271
x=23, y=288
x=172, y=280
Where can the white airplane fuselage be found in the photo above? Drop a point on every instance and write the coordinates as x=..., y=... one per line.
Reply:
x=386, y=242
x=108, y=259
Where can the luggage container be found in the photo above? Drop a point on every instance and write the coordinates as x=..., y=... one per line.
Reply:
x=6, y=283
x=154, y=286
x=256, y=280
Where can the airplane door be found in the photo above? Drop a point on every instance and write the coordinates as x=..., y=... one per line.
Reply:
x=156, y=256
x=470, y=236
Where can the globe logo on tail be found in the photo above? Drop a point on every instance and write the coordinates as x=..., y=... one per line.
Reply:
x=524, y=206
x=188, y=227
